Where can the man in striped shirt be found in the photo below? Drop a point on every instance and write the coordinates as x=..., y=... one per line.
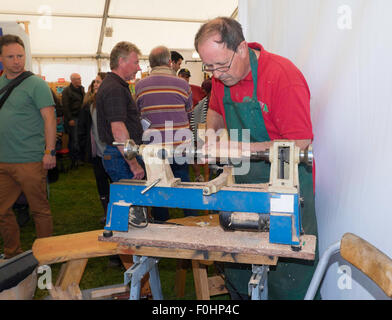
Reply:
x=165, y=101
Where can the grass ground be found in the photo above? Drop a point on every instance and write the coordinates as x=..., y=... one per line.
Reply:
x=76, y=208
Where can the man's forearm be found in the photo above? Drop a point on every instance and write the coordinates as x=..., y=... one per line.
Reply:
x=120, y=134
x=303, y=144
x=50, y=127
x=214, y=120
x=262, y=146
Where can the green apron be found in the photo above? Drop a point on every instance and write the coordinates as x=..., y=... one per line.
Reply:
x=290, y=279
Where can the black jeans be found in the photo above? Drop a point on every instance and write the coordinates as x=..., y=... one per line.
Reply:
x=73, y=144
x=103, y=181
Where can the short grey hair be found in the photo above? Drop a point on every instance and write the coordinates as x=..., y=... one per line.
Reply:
x=122, y=50
x=159, y=56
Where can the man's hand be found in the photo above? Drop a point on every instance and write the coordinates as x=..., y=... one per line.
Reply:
x=137, y=170
x=120, y=133
x=49, y=162
x=71, y=123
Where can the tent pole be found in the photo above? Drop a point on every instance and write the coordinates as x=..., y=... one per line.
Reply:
x=103, y=26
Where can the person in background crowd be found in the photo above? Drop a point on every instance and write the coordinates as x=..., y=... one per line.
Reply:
x=90, y=91
x=72, y=100
x=199, y=115
x=21, y=206
x=176, y=60
x=163, y=97
x=27, y=145
x=197, y=92
x=88, y=136
x=59, y=121
x=84, y=122
x=118, y=118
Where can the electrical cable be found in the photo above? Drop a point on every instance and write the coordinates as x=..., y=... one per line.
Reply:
x=228, y=281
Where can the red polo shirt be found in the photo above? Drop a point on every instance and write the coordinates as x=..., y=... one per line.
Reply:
x=282, y=92
x=197, y=94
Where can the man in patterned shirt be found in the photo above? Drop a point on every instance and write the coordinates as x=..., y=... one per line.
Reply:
x=165, y=100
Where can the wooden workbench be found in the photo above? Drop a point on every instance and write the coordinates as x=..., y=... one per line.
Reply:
x=197, y=239
x=207, y=243
x=201, y=240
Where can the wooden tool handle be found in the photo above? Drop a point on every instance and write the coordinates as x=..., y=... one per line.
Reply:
x=223, y=180
x=371, y=261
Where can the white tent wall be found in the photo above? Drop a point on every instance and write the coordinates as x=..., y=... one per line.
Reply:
x=344, y=51
x=71, y=29
x=53, y=69
x=193, y=65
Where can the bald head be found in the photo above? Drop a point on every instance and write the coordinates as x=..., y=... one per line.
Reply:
x=76, y=80
x=159, y=56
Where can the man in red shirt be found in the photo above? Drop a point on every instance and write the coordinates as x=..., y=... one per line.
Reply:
x=266, y=94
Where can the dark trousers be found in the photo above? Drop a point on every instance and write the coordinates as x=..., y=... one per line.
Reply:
x=115, y=165
x=73, y=143
x=118, y=169
x=103, y=181
x=179, y=171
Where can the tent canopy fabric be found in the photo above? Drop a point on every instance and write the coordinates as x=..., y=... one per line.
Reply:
x=74, y=28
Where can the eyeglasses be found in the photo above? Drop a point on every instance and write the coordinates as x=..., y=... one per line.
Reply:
x=206, y=68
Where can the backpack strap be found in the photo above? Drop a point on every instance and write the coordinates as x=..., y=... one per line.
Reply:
x=12, y=85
